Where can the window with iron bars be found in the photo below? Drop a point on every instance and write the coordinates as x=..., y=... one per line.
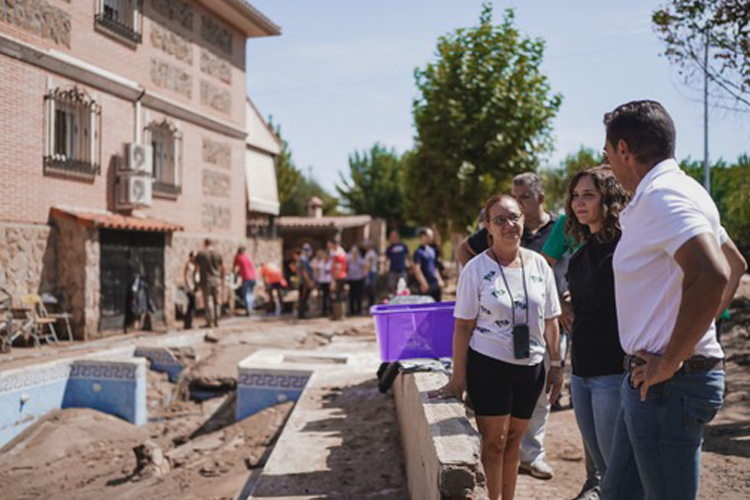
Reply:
x=165, y=140
x=71, y=133
x=121, y=18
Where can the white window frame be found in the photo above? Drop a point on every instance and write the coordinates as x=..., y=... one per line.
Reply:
x=165, y=138
x=80, y=151
x=129, y=15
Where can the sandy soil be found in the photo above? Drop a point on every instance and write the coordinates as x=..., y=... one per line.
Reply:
x=80, y=453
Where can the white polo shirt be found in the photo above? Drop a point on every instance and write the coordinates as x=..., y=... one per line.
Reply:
x=668, y=209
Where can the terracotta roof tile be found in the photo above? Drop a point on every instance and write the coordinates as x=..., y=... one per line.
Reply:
x=109, y=220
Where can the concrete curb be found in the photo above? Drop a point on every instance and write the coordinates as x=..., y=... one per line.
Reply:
x=441, y=448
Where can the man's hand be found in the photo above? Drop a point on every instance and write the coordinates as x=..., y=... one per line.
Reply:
x=654, y=371
x=424, y=287
x=554, y=383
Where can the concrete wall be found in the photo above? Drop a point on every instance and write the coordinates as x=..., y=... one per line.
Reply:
x=441, y=448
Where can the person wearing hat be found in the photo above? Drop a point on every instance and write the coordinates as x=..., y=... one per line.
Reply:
x=305, y=278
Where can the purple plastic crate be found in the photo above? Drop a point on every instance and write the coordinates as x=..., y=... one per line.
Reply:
x=414, y=330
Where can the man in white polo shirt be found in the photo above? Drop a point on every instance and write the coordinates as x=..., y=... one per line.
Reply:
x=670, y=277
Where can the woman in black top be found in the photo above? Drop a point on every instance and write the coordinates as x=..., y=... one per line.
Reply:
x=595, y=200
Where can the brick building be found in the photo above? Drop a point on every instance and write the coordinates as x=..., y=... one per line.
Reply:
x=123, y=142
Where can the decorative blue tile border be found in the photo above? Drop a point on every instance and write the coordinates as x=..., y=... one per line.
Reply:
x=103, y=370
x=259, y=388
x=273, y=379
x=16, y=380
x=162, y=360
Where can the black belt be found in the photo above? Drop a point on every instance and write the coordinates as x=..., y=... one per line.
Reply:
x=695, y=364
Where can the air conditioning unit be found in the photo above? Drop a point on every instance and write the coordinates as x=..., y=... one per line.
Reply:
x=140, y=159
x=134, y=191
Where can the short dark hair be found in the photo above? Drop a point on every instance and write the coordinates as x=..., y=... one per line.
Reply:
x=646, y=128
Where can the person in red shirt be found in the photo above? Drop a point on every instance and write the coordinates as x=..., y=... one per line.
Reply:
x=243, y=266
x=338, y=270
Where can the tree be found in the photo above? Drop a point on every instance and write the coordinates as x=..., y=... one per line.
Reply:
x=686, y=26
x=375, y=185
x=287, y=175
x=306, y=189
x=730, y=189
x=484, y=113
x=556, y=180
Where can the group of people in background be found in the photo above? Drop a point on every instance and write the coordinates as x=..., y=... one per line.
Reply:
x=637, y=271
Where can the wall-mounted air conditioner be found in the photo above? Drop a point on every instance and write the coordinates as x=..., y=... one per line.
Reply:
x=134, y=191
x=140, y=159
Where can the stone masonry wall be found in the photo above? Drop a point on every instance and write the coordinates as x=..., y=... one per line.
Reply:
x=27, y=259
x=71, y=271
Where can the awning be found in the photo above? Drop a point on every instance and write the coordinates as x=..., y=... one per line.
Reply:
x=108, y=220
x=332, y=221
x=260, y=179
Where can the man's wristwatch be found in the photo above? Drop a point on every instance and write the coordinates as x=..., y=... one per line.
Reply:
x=555, y=363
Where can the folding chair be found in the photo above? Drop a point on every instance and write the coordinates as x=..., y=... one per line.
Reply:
x=64, y=316
x=33, y=303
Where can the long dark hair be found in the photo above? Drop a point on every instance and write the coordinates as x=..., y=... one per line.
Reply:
x=613, y=200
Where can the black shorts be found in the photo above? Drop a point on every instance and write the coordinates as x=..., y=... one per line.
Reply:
x=498, y=388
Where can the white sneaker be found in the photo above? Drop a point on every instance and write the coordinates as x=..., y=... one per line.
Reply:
x=539, y=469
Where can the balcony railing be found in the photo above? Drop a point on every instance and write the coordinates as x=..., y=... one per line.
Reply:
x=68, y=167
x=118, y=27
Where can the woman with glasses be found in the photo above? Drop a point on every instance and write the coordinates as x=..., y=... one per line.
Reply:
x=506, y=318
x=595, y=200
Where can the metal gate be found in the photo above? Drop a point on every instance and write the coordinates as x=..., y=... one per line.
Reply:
x=123, y=254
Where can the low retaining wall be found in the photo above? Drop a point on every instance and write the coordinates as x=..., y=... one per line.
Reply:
x=441, y=448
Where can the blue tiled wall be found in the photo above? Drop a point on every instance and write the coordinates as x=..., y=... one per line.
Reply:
x=259, y=388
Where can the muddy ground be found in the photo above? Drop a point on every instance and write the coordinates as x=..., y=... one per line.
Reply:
x=78, y=454
x=196, y=449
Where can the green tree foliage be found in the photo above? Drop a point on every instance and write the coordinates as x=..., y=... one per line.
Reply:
x=288, y=176
x=484, y=113
x=685, y=26
x=306, y=189
x=556, y=180
x=730, y=188
x=374, y=186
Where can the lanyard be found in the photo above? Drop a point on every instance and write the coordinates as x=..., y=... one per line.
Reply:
x=510, y=294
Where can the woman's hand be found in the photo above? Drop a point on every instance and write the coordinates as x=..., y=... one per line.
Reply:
x=554, y=383
x=453, y=389
x=566, y=319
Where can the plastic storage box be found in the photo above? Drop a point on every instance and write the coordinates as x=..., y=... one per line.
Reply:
x=414, y=330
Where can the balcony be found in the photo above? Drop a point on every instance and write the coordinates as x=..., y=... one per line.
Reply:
x=112, y=23
x=61, y=166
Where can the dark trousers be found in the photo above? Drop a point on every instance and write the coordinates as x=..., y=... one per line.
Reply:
x=190, y=313
x=304, y=296
x=355, y=296
x=325, y=299
x=435, y=292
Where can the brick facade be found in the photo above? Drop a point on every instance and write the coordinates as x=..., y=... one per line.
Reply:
x=190, y=60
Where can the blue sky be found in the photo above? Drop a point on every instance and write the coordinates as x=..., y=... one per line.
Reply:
x=340, y=77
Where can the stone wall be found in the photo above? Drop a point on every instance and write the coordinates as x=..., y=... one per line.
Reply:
x=27, y=259
x=39, y=18
x=74, y=282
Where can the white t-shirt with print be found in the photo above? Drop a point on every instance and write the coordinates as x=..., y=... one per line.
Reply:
x=482, y=295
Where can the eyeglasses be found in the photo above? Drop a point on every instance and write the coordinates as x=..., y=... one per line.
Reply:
x=501, y=220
